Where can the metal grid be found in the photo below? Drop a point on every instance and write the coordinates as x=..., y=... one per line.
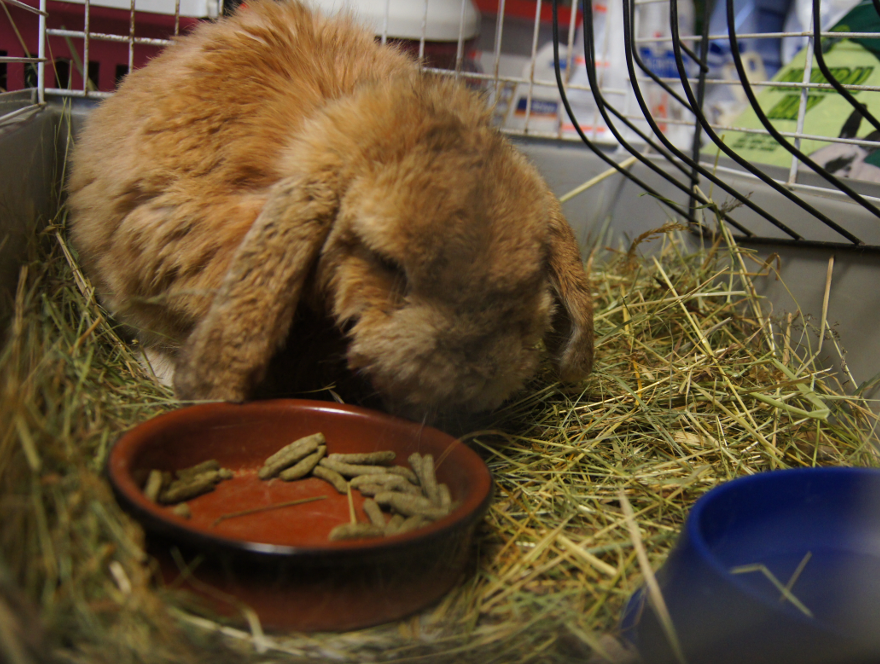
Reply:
x=693, y=170
x=81, y=40
x=631, y=124
x=87, y=36
x=39, y=61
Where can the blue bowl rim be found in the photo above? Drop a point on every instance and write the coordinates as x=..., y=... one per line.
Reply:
x=629, y=618
x=694, y=518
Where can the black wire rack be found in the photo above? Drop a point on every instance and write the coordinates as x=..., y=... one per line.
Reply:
x=687, y=170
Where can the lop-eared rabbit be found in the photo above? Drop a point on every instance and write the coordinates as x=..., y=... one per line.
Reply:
x=278, y=167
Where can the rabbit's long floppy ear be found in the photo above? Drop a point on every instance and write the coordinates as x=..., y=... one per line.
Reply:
x=228, y=352
x=570, y=342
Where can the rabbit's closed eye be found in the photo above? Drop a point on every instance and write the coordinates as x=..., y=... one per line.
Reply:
x=390, y=266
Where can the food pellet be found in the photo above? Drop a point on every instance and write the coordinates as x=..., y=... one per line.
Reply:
x=424, y=468
x=291, y=454
x=391, y=482
x=412, y=523
x=331, y=476
x=370, y=489
x=355, y=531
x=371, y=507
x=182, y=509
x=181, y=490
x=410, y=505
x=369, y=458
x=154, y=485
x=415, y=462
x=445, y=497
x=198, y=469
x=393, y=525
x=373, y=489
x=353, y=470
x=304, y=467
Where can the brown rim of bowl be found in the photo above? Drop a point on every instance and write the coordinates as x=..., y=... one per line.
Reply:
x=130, y=496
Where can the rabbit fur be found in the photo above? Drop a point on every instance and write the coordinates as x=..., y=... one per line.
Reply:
x=279, y=161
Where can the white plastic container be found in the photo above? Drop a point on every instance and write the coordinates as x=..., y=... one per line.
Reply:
x=611, y=76
x=540, y=115
x=406, y=19
x=652, y=22
x=442, y=24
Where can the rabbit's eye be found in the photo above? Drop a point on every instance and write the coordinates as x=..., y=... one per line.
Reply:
x=389, y=265
x=398, y=284
x=391, y=273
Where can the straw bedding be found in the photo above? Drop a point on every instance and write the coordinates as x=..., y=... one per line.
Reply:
x=694, y=384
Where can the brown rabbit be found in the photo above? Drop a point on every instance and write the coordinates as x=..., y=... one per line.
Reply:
x=278, y=163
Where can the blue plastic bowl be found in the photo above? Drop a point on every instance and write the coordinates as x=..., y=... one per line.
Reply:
x=826, y=520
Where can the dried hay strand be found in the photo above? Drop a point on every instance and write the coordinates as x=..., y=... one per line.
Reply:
x=694, y=384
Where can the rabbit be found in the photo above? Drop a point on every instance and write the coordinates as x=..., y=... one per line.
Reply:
x=279, y=164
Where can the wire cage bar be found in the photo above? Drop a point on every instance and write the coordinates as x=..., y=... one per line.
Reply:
x=687, y=145
x=693, y=169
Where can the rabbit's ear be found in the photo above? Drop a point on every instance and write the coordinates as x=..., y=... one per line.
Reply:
x=570, y=341
x=229, y=350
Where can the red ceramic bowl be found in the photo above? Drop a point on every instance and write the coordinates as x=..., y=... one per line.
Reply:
x=279, y=562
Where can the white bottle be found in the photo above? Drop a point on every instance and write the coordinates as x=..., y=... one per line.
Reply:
x=540, y=114
x=611, y=75
x=652, y=22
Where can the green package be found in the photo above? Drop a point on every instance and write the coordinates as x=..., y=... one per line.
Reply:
x=852, y=62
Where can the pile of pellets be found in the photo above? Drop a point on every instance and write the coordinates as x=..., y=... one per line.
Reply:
x=166, y=488
x=412, y=497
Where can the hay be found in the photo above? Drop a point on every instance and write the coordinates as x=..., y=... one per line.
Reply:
x=694, y=385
